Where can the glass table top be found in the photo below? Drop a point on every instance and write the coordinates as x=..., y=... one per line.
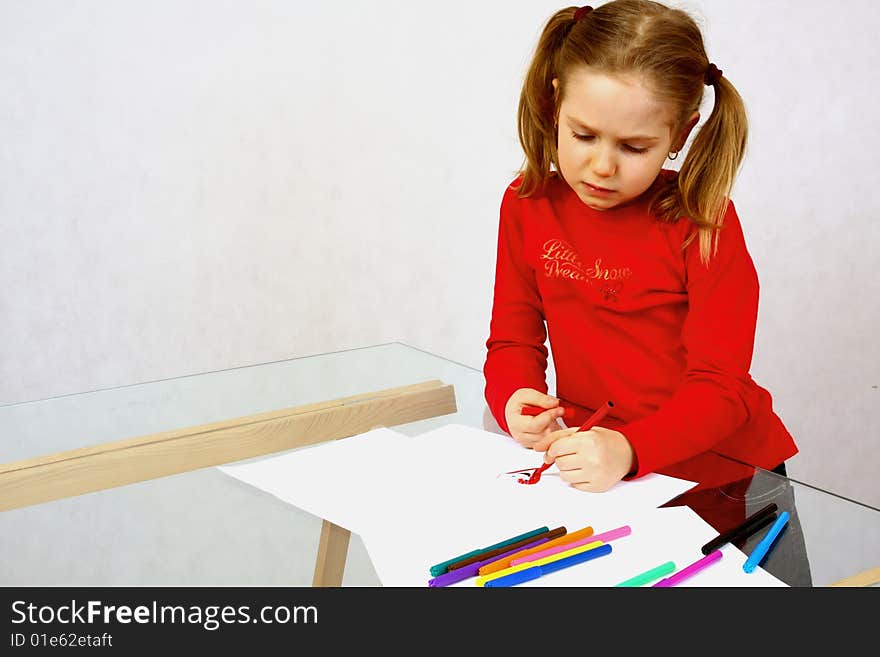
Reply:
x=204, y=528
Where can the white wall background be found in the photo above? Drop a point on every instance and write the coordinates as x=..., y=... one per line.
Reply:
x=189, y=186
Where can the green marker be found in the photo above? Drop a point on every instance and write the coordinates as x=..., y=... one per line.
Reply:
x=440, y=568
x=649, y=575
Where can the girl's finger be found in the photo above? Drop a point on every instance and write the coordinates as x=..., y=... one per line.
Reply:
x=553, y=437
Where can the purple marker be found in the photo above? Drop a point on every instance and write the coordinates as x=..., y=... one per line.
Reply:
x=472, y=569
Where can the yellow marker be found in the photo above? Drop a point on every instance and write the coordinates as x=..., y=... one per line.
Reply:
x=481, y=581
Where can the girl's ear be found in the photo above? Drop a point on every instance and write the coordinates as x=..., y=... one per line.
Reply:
x=679, y=143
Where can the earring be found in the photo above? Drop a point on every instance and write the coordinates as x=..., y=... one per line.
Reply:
x=672, y=156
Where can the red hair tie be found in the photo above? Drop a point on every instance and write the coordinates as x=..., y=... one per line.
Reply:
x=580, y=12
x=713, y=74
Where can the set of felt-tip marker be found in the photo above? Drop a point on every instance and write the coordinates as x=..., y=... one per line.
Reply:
x=526, y=557
x=542, y=551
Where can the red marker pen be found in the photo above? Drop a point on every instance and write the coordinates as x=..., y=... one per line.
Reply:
x=596, y=417
x=528, y=409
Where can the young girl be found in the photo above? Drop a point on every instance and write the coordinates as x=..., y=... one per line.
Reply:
x=641, y=275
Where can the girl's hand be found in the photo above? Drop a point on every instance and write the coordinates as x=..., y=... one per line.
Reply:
x=591, y=460
x=527, y=430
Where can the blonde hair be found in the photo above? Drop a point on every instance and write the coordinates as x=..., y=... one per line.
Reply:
x=665, y=47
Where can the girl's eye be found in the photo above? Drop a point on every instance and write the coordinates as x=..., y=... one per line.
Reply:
x=626, y=147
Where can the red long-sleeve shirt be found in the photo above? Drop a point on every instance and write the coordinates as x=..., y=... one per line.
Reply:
x=632, y=318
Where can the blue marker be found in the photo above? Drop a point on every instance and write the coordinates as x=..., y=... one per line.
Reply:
x=762, y=548
x=535, y=572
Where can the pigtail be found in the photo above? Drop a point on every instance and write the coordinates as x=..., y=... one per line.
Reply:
x=536, y=115
x=710, y=167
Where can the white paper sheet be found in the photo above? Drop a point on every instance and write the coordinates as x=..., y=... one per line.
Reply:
x=417, y=501
x=347, y=482
x=383, y=478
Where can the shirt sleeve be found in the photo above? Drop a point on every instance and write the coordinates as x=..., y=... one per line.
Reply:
x=716, y=391
x=516, y=355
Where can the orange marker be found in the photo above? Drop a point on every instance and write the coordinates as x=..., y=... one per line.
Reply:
x=504, y=562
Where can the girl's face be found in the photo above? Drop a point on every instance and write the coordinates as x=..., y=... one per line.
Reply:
x=613, y=137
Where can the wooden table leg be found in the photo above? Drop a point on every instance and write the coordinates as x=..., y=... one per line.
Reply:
x=332, y=552
x=867, y=578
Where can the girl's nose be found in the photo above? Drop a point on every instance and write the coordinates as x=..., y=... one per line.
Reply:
x=603, y=162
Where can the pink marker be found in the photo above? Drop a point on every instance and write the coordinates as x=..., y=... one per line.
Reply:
x=610, y=535
x=691, y=570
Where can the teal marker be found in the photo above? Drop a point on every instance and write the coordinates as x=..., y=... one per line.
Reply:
x=761, y=549
x=649, y=575
x=440, y=568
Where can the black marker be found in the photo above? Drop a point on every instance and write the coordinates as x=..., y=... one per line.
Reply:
x=748, y=526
